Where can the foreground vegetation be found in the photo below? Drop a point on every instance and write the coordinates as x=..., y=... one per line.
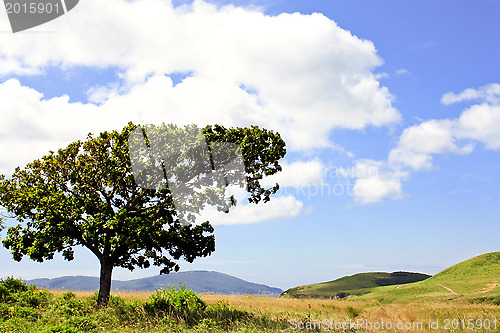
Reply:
x=24, y=308
x=27, y=309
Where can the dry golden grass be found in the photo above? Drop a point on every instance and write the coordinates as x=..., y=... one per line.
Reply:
x=137, y=295
x=341, y=311
x=316, y=310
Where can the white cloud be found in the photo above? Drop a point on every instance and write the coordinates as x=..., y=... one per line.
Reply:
x=481, y=123
x=305, y=76
x=310, y=76
x=362, y=169
x=297, y=174
x=490, y=93
x=402, y=71
x=374, y=181
x=417, y=144
x=279, y=208
x=373, y=189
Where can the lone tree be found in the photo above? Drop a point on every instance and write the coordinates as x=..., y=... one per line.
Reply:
x=86, y=195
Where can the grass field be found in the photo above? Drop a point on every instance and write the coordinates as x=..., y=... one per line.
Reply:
x=126, y=313
x=474, y=280
x=463, y=298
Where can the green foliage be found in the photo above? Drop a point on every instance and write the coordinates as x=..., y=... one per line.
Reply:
x=63, y=328
x=4, y=293
x=185, y=312
x=224, y=315
x=352, y=311
x=15, y=291
x=13, y=285
x=4, y=311
x=29, y=313
x=67, y=305
x=487, y=300
x=86, y=195
x=68, y=295
x=180, y=302
x=341, y=294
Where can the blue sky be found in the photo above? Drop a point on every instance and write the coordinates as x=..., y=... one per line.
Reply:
x=390, y=111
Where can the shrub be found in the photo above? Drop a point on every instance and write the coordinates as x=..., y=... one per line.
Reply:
x=32, y=297
x=68, y=295
x=116, y=301
x=342, y=294
x=180, y=303
x=224, y=315
x=15, y=291
x=28, y=313
x=82, y=323
x=66, y=306
x=4, y=311
x=60, y=329
x=352, y=312
x=487, y=299
x=14, y=285
x=4, y=294
x=173, y=299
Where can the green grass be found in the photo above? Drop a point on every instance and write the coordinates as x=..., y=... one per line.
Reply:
x=24, y=308
x=353, y=285
x=27, y=309
x=474, y=280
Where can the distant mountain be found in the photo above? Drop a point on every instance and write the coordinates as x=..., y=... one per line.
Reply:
x=198, y=281
x=354, y=285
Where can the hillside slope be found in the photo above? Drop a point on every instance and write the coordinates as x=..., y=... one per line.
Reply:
x=354, y=285
x=476, y=279
x=198, y=281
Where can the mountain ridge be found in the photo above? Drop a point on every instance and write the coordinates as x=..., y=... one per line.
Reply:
x=199, y=281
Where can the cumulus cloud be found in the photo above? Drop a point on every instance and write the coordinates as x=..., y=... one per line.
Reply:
x=279, y=208
x=374, y=180
x=298, y=174
x=300, y=75
x=479, y=123
x=489, y=93
x=307, y=73
x=418, y=143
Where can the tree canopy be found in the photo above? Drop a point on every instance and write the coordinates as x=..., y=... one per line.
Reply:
x=86, y=195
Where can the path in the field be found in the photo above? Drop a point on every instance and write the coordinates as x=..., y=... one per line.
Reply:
x=449, y=289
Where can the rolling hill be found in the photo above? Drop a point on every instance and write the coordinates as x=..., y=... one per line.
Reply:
x=198, y=281
x=476, y=280
x=354, y=285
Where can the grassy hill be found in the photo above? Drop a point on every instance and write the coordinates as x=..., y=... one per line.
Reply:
x=354, y=285
x=476, y=279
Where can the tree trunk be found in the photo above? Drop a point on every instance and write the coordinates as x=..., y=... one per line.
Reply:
x=104, y=283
